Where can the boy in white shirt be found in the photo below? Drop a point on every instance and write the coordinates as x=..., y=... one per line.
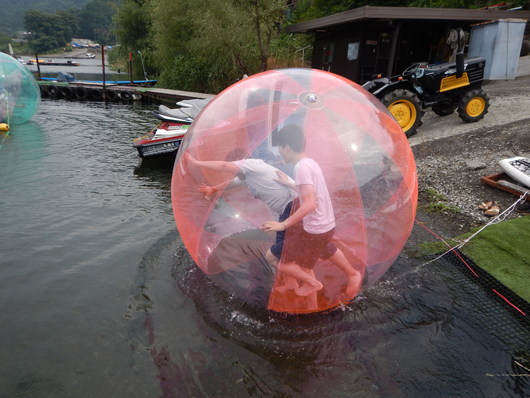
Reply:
x=305, y=245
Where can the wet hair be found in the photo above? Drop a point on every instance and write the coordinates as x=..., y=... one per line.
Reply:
x=236, y=154
x=291, y=135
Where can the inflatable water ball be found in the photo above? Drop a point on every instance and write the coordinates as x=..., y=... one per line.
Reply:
x=367, y=166
x=19, y=92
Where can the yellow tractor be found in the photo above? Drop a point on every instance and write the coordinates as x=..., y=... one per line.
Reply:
x=442, y=87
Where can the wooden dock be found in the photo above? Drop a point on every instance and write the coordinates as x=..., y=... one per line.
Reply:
x=95, y=91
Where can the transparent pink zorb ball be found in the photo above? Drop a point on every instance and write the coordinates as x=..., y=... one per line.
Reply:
x=366, y=162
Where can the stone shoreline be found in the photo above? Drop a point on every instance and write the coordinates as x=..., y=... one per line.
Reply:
x=451, y=156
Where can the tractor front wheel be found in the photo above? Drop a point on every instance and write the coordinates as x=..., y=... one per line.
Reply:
x=473, y=106
x=405, y=106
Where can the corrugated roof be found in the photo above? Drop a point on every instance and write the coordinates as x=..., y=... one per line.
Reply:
x=412, y=13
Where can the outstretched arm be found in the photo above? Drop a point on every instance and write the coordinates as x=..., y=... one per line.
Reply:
x=211, y=190
x=217, y=165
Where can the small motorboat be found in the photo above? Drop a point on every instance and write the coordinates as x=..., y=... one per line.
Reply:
x=165, y=139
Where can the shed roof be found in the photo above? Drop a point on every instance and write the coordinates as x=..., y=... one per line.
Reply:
x=410, y=13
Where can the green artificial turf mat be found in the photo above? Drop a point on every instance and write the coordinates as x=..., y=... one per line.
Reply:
x=503, y=250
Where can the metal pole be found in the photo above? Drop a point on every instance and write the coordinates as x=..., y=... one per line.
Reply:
x=38, y=66
x=130, y=67
x=103, y=68
x=143, y=66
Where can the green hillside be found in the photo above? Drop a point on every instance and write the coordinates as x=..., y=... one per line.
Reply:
x=13, y=11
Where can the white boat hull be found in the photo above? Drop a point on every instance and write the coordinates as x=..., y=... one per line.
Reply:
x=517, y=168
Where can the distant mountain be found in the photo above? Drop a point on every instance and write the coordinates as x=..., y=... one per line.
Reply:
x=13, y=11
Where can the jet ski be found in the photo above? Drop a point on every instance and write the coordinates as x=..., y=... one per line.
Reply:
x=165, y=139
x=186, y=112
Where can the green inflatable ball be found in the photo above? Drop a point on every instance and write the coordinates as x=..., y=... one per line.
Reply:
x=19, y=91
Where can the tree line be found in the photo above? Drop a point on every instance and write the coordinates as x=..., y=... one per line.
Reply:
x=49, y=31
x=205, y=46
x=201, y=46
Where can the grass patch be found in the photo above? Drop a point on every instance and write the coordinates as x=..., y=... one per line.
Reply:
x=502, y=250
x=437, y=202
x=429, y=248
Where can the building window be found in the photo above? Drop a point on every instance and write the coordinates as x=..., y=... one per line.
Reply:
x=353, y=51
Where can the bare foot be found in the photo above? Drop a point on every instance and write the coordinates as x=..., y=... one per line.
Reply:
x=354, y=282
x=307, y=289
x=312, y=302
x=286, y=287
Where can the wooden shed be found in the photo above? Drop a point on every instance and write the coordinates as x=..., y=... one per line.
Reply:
x=361, y=42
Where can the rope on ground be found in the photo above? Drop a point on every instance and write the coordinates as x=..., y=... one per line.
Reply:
x=500, y=217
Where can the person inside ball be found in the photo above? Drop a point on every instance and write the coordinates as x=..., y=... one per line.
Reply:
x=278, y=191
x=303, y=246
x=257, y=175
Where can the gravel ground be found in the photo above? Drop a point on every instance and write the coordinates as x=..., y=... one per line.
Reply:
x=451, y=156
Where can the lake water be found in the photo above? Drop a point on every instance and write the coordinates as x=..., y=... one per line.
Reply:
x=98, y=297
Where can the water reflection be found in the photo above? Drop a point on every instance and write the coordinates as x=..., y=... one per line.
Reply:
x=155, y=166
x=416, y=333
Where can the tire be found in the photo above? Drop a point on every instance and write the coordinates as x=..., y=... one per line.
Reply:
x=43, y=91
x=53, y=91
x=444, y=108
x=405, y=106
x=81, y=93
x=65, y=92
x=96, y=94
x=111, y=95
x=126, y=96
x=473, y=105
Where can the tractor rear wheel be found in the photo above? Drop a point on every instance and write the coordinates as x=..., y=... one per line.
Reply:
x=473, y=105
x=405, y=106
x=444, y=108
